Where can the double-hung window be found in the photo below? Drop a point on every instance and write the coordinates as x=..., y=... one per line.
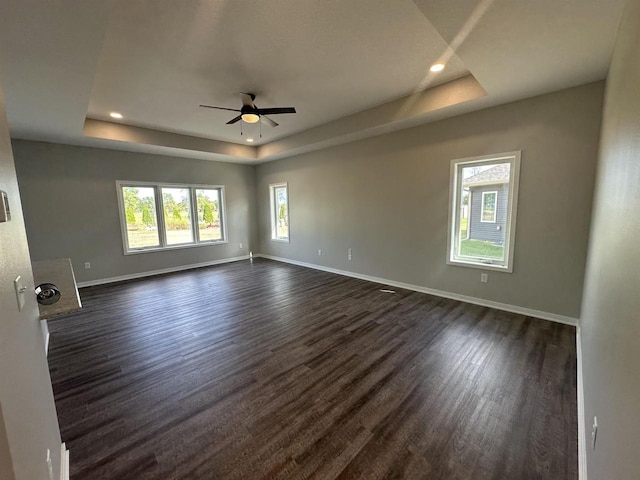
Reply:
x=279, y=193
x=164, y=216
x=482, y=214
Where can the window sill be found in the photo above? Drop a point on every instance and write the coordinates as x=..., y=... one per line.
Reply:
x=175, y=247
x=280, y=240
x=481, y=266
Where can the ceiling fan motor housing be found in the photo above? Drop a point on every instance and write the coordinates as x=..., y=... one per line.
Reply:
x=248, y=109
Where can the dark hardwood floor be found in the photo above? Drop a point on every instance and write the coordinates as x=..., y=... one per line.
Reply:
x=268, y=370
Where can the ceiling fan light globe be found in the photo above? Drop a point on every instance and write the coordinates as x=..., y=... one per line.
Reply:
x=250, y=117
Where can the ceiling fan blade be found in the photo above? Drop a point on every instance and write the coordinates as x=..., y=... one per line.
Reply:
x=268, y=121
x=247, y=99
x=276, y=110
x=234, y=120
x=220, y=108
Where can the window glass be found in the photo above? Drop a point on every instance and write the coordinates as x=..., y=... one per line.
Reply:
x=168, y=216
x=489, y=206
x=176, y=204
x=140, y=217
x=209, y=214
x=483, y=211
x=282, y=213
x=279, y=212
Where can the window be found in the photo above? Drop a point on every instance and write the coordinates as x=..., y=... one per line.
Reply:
x=482, y=216
x=279, y=212
x=140, y=217
x=176, y=205
x=489, y=200
x=209, y=225
x=158, y=216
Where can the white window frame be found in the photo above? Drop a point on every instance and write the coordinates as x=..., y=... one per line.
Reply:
x=453, y=239
x=274, y=214
x=469, y=214
x=495, y=207
x=162, y=234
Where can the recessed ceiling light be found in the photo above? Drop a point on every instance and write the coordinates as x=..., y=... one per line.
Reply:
x=250, y=140
x=115, y=115
x=437, y=67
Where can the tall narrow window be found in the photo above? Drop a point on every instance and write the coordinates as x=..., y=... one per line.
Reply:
x=279, y=212
x=163, y=216
x=489, y=200
x=484, y=193
x=140, y=217
x=176, y=204
x=209, y=214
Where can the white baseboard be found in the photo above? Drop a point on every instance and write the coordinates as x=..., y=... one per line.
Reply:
x=582, y=428
x=554, y=317
x=102, y=281
x=64, y=462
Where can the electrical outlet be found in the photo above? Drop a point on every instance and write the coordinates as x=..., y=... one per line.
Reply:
x=594, y=433
x=87, y=266
x=240, y=245
x=349, y=254
x=484, y=277
x=319, y=252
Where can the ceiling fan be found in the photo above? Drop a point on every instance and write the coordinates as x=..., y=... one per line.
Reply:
x=250, y=112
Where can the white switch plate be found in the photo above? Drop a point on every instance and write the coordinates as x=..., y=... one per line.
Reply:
x=49, y=464
x=87, y=265
x=484, y=277
x=20, y=291
x=240, y=245
x=319, y=252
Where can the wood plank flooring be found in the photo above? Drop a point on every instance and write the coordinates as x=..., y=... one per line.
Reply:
x=266, y=370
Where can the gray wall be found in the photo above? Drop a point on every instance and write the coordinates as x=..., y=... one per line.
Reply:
x=71, y=208
x=29, y=424
x=487, y=231
x=610, y=323
x=387, y=198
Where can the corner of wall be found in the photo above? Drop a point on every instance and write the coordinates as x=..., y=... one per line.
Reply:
x=582, y=428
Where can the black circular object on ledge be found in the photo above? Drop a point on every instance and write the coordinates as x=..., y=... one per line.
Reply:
x=47, y=294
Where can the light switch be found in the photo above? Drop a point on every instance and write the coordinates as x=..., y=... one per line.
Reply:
x=5, y=211
x=21, y=289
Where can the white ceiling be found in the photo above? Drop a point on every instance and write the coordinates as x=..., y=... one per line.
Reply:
x=62, y=61
x=326, y=58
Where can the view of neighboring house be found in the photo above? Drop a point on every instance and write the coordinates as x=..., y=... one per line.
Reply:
x=488, y=195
